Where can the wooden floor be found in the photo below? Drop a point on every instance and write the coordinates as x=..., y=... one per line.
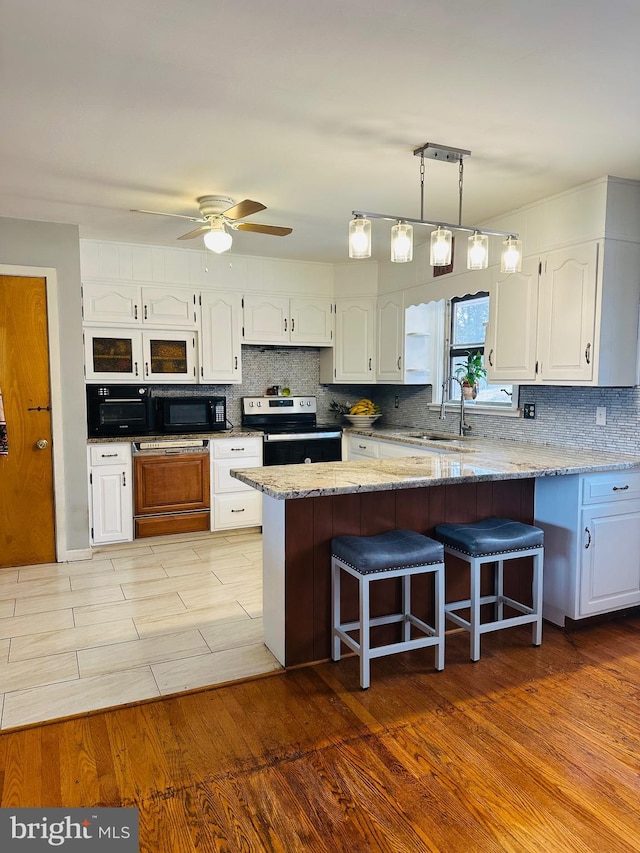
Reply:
x=527, y=750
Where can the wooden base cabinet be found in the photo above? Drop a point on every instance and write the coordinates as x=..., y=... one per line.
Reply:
x=592, y=543
x=110, y=493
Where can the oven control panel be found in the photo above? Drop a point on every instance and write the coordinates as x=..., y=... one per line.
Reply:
x=278, y=405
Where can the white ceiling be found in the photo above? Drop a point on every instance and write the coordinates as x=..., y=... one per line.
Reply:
x=313, y=108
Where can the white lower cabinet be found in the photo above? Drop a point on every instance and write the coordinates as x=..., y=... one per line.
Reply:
x=234, y=503
x=363, y=447
x=592, y=543
x=110, y=493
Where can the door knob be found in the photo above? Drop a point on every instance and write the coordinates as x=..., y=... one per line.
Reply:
x=42, y=443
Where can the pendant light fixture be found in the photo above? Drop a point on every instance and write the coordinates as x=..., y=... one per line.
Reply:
x=478, y=251
x=401, y=243
x=360, y=238
x=511, y=260
x=442, y=236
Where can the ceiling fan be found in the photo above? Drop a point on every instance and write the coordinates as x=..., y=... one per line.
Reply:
x=219, y=213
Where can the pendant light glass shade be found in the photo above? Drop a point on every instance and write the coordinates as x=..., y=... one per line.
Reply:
x=218, y=239
x=478, y=252
x=402, y=243
x=440, y=255
x=360, y=238
x=511, y=259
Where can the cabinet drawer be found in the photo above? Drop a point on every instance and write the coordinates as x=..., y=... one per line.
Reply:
x=110, y=454
x=241, y=510
x=612, y=486
x=361, y=446
x=232, y=448
x=222, y=479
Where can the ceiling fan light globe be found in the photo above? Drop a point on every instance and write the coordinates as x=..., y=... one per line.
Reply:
x=218, y=240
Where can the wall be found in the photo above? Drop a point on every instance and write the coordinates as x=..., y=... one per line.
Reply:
x=54, y=245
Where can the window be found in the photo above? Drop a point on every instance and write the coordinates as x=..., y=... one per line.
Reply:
x=469, y=318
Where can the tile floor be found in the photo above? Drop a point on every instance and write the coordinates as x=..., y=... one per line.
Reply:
x=144, y=619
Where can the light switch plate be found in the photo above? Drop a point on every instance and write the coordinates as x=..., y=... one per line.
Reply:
x=601, y=415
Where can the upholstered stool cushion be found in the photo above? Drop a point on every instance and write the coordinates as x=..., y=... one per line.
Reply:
x=395, y=549
x=490, y=536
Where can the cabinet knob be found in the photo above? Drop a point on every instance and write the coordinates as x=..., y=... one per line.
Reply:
x=42, y=444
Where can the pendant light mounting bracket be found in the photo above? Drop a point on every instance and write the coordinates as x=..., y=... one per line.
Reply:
x=433, y=151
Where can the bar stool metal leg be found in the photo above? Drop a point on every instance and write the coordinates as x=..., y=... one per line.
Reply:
x=365, y=633
x=335, y=609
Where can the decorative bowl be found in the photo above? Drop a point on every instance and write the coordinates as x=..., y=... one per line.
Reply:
x=362, y=420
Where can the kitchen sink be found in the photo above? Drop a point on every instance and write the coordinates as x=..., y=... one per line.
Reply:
x=430, y=436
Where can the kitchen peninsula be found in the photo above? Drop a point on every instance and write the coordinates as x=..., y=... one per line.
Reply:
x=304, y=506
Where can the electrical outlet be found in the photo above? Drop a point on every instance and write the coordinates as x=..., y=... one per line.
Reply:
x=396, y=403
x=529, y=411
x=601, y=416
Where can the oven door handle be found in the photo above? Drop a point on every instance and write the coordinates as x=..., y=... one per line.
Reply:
x=300, y=436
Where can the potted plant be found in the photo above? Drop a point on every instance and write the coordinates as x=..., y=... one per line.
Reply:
x=469, y=374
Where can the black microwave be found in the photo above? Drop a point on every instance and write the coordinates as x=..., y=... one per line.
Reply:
x=191, y=414
x=119, y=410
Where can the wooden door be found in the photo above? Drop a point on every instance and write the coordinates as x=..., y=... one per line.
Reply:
x=27, y=530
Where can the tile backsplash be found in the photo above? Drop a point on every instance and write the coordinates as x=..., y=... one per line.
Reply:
x=564, y=416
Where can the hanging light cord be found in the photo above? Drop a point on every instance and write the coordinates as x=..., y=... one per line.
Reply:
x=460, y=178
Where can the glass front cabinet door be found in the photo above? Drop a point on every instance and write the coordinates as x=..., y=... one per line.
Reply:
x=169, y=356
x=113, y=355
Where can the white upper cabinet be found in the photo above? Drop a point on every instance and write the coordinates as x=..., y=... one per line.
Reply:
x=570, y=318
x=390, y=350
x=174, y=307
x=220, y=350
x=111, y=304
x=352, y=358
x=131, y=305
x=280, y=320
x=311, y=321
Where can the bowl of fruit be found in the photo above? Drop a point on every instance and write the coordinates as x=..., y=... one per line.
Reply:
x=364, y=413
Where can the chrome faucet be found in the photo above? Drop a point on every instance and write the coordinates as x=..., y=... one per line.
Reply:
x=464, y=427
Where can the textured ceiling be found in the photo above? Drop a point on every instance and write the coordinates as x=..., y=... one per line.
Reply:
x=312, y=108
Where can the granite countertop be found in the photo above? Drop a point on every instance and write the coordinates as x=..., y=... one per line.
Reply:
x=236, y=432
x=465, y=460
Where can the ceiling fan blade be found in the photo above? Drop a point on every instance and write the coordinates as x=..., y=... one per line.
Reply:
x=195, y=233
x=243, y=208
x=275, y=230
x=175, y=215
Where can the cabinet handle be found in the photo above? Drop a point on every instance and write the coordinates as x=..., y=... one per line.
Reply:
x=108, y=455
x=236, y=363
x=124, y=478
x=237, y=449
x=362, y=446
x=285, y=324
x=135, y=312
x=536, y=368
x=588, y=532
x=587, y=354
x=293, y=324
x=146, y=368
x=238, y=510
x=145, y=312
x=620, y=488
x=135, y=367
x=490, y=359
x=369, y=364
x=399, y=360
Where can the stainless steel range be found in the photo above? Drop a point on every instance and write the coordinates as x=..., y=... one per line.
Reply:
x=292, y=434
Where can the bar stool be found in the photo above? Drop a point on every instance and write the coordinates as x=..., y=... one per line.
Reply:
x=494, y=540
x=395, y=554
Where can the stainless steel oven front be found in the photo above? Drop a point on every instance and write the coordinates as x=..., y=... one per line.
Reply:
x=291, y=432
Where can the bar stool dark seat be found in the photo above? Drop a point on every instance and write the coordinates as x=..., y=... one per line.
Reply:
x=394, y=554
x=494, y=540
